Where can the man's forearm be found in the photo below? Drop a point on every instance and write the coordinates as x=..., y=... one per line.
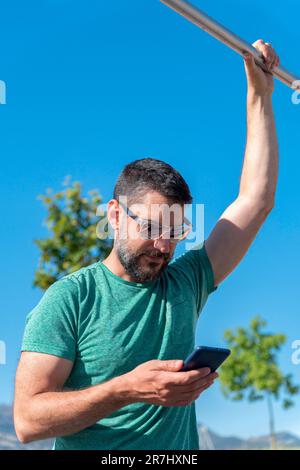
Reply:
x=260, y=169
x=52, y=414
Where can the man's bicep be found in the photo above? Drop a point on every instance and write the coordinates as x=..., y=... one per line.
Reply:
x=233, y=235
x=38, y=373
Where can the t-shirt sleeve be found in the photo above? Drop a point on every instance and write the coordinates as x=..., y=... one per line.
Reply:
x=196, y=269
x=51, y=327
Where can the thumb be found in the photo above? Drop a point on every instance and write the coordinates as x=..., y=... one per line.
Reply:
x=170, y=366
x=250, y=65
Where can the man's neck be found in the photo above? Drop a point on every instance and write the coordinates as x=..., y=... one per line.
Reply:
x=113, y=263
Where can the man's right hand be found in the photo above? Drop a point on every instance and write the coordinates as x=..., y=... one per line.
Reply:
x=161, y=383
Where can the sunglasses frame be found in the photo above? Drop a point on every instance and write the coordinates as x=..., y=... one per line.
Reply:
x=148, y=222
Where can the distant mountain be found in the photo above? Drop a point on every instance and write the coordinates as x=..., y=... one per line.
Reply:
x=285, y=440
x=208, y=439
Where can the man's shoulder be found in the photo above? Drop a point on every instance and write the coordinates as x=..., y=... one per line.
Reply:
x=77, y=280
x=85, y=272
x=193, y=252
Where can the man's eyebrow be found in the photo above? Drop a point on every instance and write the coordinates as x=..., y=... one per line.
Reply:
x=149, y=220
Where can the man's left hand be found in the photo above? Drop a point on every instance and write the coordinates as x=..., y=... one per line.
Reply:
x=259, y=82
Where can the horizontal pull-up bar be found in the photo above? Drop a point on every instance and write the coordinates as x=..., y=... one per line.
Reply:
x=215, y=29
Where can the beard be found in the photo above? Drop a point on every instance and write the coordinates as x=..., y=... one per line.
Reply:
x=136, y=267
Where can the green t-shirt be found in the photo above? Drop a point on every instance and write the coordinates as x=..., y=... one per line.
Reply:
x=107, y=326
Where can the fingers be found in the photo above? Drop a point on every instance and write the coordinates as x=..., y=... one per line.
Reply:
x=273, y=59
x=194, y=375
x=195, y=393
x=188, y=398
x=181, y=395
x=270, y=56
x=186, y=378
x=172, y=365
x=194, y=386
x=197, y=385
x=250, y=66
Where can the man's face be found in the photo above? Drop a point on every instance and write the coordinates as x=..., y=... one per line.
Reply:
x=144, y=260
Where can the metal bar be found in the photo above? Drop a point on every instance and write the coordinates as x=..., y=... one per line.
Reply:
x=215, y=29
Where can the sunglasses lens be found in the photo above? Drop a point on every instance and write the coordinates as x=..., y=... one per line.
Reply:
x=154, y=231
x=145, y=231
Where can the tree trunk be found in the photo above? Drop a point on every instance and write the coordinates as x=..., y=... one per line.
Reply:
x=271, y=423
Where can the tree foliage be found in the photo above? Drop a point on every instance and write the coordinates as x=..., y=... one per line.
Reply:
x=73, y=242
x=252, y=370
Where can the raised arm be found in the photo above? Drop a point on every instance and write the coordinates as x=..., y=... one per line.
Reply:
x=241, y=221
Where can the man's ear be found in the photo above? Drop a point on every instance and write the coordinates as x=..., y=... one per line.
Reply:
x=113, y=213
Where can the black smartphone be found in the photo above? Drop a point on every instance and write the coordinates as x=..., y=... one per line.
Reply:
x=205, y=356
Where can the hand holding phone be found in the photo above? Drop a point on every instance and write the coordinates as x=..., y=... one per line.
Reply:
x=157, y=382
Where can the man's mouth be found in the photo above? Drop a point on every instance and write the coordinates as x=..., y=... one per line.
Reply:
x=155, y=258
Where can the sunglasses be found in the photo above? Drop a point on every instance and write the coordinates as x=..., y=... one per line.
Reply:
x=150, y=230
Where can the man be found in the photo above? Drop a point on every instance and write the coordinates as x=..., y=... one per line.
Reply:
x=102, y=351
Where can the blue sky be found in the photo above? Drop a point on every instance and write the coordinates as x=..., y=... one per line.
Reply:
x=94, y=85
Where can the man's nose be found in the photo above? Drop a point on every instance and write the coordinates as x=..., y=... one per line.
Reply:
x=162, y=244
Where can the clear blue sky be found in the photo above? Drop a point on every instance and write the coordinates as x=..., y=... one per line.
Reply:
x=94, y=85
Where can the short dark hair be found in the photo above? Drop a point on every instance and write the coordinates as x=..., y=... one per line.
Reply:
x=149, y=174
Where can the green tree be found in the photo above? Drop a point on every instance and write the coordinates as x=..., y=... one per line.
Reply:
x=252, y=370
x=73, y=242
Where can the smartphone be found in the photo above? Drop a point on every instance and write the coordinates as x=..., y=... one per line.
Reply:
x=205, y=356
